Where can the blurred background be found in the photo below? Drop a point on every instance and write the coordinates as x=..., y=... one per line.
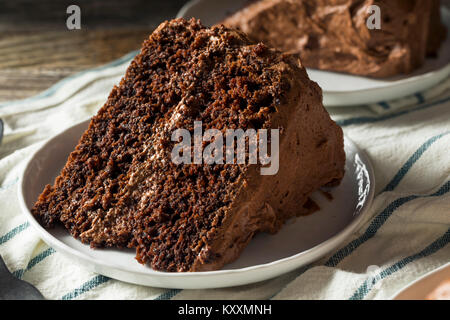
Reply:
x=37, y=49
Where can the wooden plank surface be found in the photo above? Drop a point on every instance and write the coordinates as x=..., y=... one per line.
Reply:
x=37, y=49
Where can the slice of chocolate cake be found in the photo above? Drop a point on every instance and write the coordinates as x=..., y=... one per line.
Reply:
x=334, y=34
x=121, y=187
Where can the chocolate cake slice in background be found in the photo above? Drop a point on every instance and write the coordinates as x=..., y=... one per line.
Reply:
x=333, y=34
x=119, y=187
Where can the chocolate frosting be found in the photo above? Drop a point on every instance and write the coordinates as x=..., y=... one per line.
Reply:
x=333, y=34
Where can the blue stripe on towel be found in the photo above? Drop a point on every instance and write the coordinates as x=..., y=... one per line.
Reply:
x=99, y=279
x=44, y=254
x=367, y=286
x=14, y=232
x=168, y=294
x=384, y=105
x=365, y=120
x=85, y=287
x=377, y=223
x=413, y=159
x=420, y=98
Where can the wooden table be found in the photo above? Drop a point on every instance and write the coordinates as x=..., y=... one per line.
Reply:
x=37, y=49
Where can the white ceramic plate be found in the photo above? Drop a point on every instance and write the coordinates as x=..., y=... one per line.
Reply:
x=342, y=89
x=422, y=287
x=300, y=241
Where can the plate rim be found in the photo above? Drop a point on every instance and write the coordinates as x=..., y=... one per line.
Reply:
x=406, y=81
x=320, y=249
x=182, y=12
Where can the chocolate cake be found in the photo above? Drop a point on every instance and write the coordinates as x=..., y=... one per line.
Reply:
x=120, y=187
x=333, y=34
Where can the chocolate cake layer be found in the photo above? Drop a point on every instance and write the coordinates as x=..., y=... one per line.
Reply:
x=120, y=187
x=333, y=34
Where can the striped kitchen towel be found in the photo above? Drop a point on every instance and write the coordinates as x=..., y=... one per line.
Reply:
x=418, y=99
x=406, y=236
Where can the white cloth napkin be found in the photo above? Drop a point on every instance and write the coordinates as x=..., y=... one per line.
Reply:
x=407, y=235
